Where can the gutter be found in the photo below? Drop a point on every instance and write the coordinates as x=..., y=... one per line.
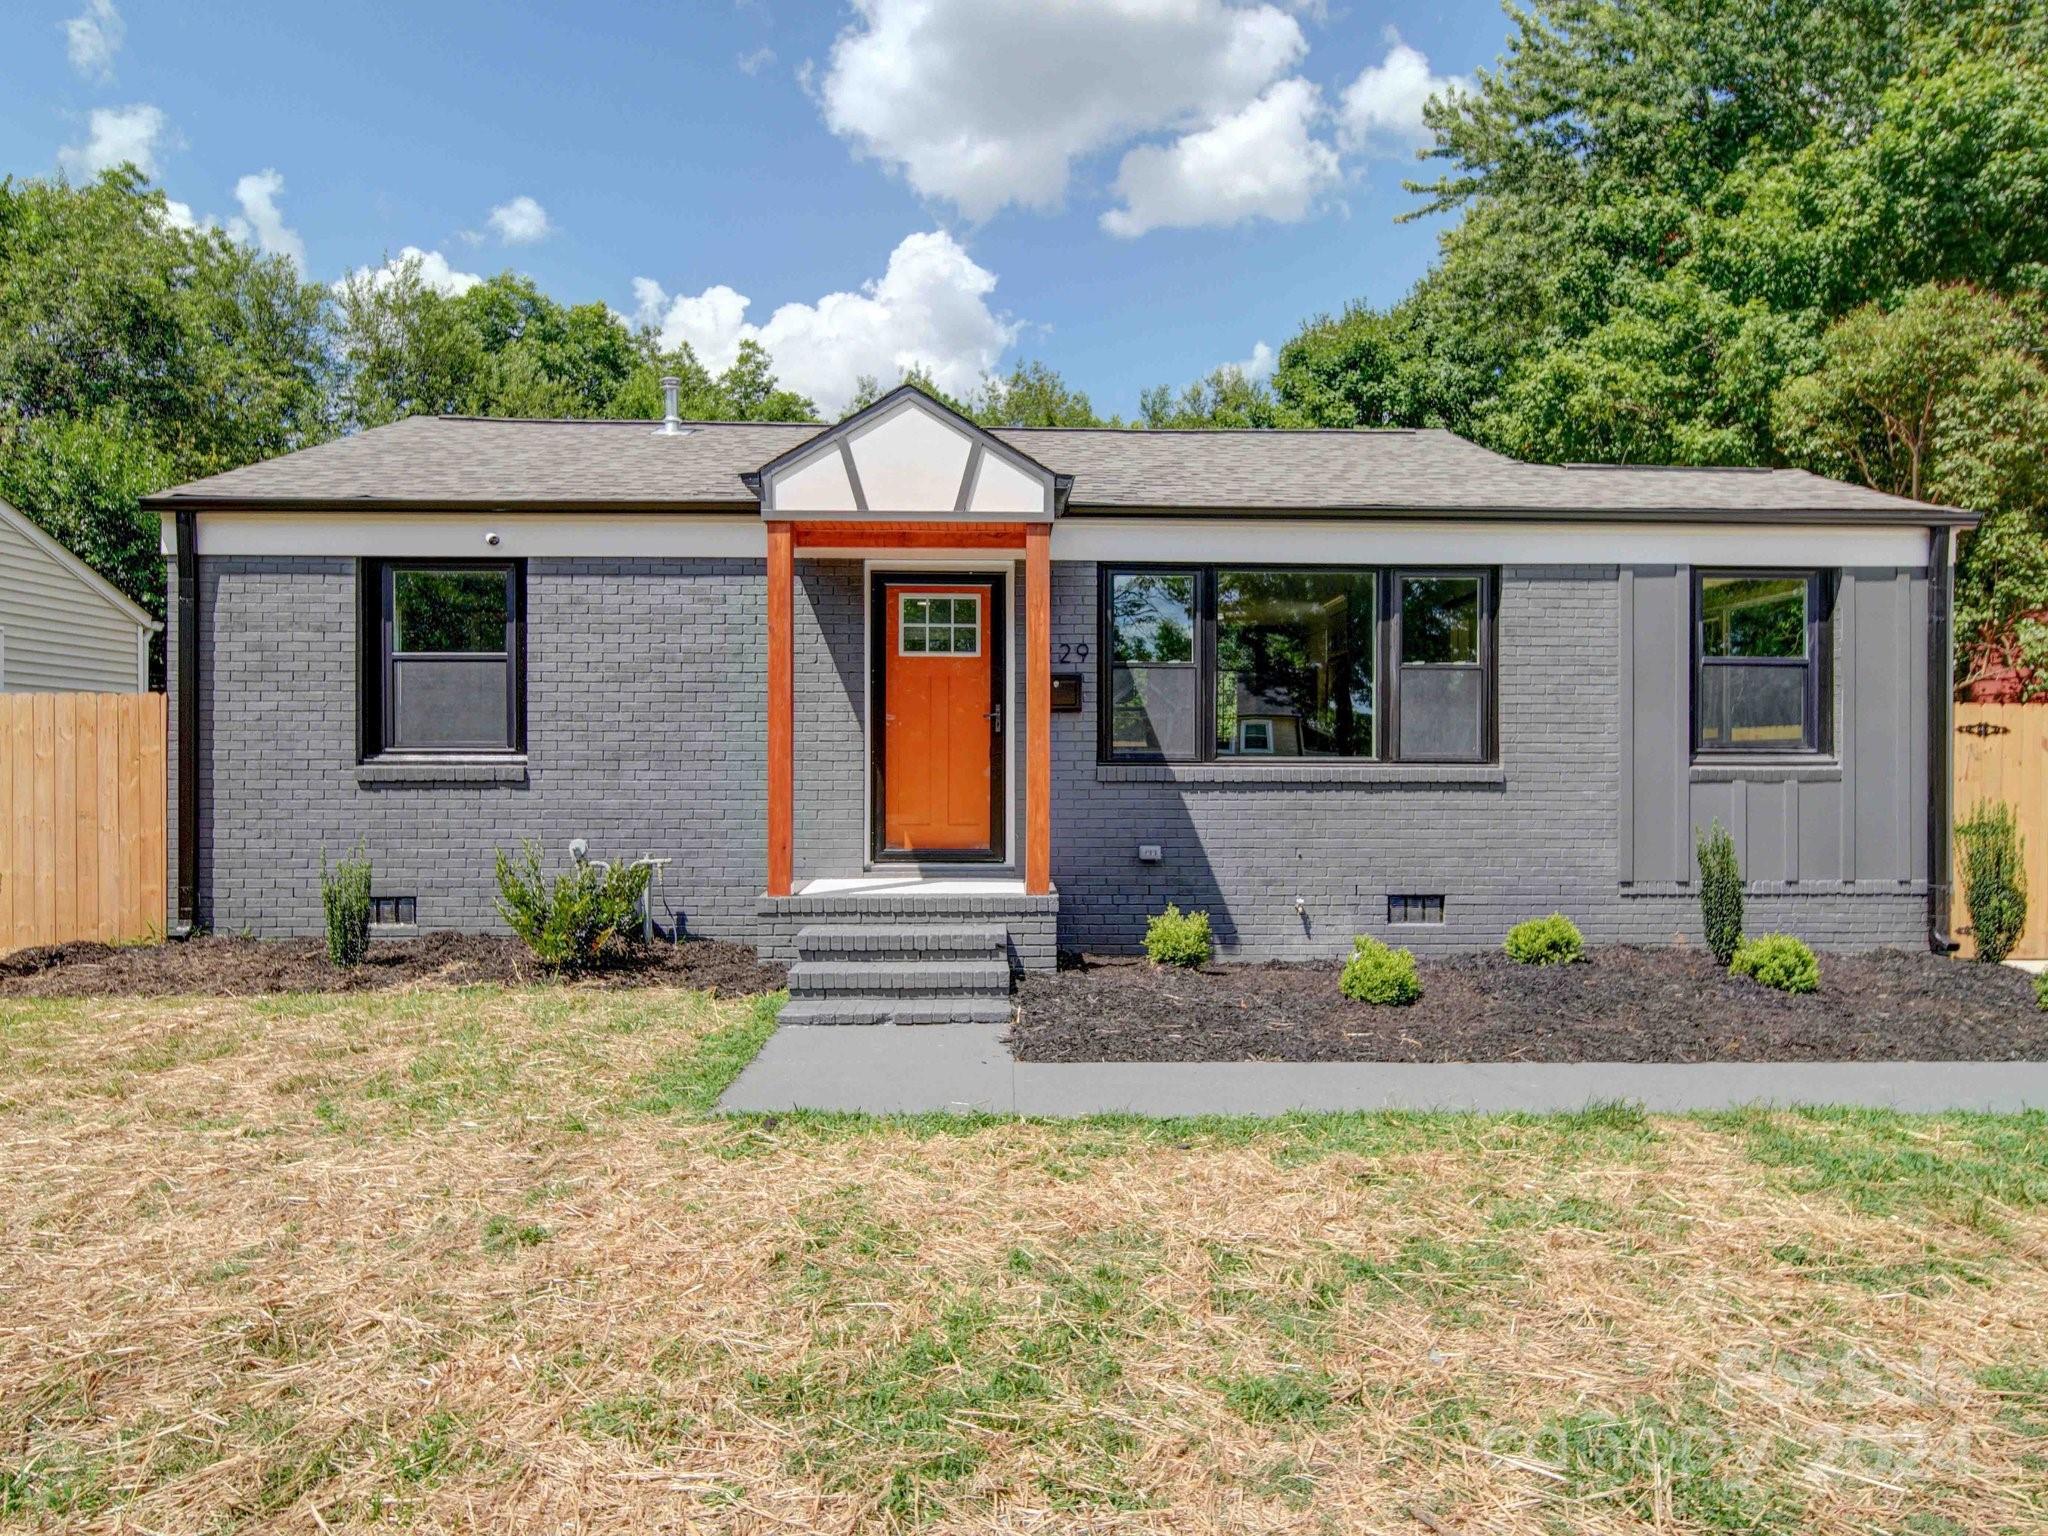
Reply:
x=1940, y=740
x=186, y=569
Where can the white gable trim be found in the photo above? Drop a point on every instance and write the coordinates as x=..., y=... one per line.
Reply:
x=112, y=595
x=907, y=457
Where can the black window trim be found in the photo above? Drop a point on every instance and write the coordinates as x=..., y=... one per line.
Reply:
x=1818, y=725
x=374, y=589
x=1386, y=692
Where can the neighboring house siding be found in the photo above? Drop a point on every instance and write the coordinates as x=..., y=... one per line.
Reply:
x=645, y=706
x=58, y=634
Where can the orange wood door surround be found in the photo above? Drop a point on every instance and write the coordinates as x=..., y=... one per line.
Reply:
x=941, y=722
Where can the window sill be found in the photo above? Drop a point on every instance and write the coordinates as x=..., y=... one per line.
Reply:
x=398, y=769
x=1766, y=770
x=1420, y=775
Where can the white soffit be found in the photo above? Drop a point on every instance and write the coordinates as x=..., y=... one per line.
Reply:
x=910, y=461
x=816, y=485
x=1335, y=542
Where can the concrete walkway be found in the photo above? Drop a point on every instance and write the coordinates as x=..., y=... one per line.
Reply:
x=911, y=1069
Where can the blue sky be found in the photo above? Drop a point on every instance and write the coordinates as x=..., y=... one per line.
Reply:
x=1134, y=190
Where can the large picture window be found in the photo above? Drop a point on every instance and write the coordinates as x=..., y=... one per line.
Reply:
x=442, y=657
x=1270, y=663
x=1760, y=661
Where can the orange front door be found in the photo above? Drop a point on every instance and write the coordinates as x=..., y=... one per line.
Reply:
x=941, y=724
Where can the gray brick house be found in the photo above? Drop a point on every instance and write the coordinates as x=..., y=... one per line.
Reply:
x=907, y=673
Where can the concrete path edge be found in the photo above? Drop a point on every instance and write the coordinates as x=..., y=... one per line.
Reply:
x=966, y=1068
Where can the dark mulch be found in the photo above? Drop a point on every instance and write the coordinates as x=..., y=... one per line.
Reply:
x=223, y=967
x=1619, y=1004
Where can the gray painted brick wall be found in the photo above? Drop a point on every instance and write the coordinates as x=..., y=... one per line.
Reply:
x=645, y=734
x=1543, y=837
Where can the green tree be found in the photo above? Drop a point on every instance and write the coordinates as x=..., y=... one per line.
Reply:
x=1944, y=397
x=1226, y=398
x=1033, y=395
x=135, y=354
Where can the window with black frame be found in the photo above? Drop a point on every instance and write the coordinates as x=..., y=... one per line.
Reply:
x=1442, y=666
x=1266, y=663
x=445, y=675
x=1294, y=663
x=1759, y=661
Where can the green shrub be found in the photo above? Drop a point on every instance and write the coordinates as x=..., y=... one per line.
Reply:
x=1994, y=879
x=345, y=898
x=1175, y=937
x=1720, y=893
x=1378, y=973
x=567, y=922
x=2041, y=991
x=1552, y=940
x=1777, y=960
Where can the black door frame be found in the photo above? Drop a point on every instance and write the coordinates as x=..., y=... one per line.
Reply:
x=996, y=584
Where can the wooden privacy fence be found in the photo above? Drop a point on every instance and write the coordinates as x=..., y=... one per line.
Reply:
x=2001, y=753
x=81, y=817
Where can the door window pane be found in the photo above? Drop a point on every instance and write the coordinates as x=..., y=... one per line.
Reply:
x=1155, y=698
x=1753, y=616
x=1294, y=663
x=448, y=612
x=938, y=626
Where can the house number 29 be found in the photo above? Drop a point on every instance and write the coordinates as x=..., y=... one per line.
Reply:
x=1070, y=652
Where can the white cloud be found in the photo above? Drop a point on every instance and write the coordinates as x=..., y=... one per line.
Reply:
x=93, y=37
x=990, y=102
x=929, y=308
x=434, y=269
x=753, y=63
x=1258, y=366
x=521, y=221
x=1381, y=111
x=261, y=221
x=115, y=135
x=179, y=215
x=1260, y=162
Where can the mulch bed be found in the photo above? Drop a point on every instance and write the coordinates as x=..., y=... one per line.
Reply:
x=1620, y=1004
x=224, y=967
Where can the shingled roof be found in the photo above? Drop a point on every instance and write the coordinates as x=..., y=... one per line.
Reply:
x=469, y=462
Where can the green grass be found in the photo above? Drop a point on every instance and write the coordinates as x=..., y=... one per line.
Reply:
x=431, y=1251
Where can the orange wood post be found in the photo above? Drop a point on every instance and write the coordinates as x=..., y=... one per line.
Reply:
x=1038, y=709
x=781, y=707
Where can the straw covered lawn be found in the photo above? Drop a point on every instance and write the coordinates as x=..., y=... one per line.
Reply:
x=480, y=1260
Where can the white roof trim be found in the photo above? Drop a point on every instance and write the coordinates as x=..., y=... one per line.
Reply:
x=77, y=567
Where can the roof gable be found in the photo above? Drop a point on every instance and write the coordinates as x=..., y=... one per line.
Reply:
x=907, y=455
x=85, y=575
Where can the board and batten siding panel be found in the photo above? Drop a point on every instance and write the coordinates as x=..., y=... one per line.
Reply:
x=61, y=635
x=1854, y=817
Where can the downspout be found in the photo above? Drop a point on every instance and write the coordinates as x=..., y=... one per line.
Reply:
x=1941, y=738
x=187, y=575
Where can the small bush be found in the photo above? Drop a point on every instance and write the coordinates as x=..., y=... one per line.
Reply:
x=1720, y=892
x=2041, y=991
x=1552, y=940
x=345, y=898
x=1175, y=937
x=569, y=921
x=1378, y=973
x=1777, y=960
x=1994, y=879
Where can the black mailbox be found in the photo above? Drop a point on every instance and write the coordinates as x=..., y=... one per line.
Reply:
x=1066, y=693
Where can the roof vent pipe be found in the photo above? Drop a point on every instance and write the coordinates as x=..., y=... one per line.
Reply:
x=671, y=423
